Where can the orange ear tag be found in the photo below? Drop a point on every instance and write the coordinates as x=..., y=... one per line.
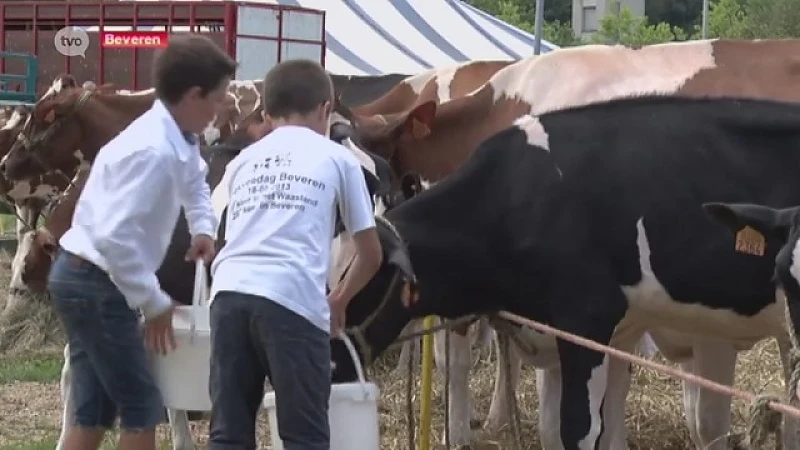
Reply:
x=750, y=241
x=408, y=298
x=405, y=296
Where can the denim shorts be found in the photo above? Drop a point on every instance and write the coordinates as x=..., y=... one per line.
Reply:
x=111, y=373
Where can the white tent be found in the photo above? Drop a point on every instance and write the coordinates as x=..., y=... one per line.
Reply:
x=371, y=37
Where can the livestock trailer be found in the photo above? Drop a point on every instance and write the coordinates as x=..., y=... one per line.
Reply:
x=19, y=89
x=257, y=35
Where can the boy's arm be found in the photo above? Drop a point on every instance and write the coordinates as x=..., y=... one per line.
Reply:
x=355, y=207
x=196, y=199
x=132, y=186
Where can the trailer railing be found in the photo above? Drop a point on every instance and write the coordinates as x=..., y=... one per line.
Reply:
x=18, y=89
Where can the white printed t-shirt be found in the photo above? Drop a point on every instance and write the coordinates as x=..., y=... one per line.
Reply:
x=284, y=190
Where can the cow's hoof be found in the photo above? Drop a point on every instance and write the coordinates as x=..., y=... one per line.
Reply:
x=494, y=425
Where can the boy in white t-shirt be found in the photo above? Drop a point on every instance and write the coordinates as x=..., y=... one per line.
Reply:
x=270, y=316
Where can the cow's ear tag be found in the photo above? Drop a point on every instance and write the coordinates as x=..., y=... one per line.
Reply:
x=419, y=130
x=750, y=241
x=50, y=117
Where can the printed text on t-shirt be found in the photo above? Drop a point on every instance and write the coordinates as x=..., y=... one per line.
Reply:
x=267, y=190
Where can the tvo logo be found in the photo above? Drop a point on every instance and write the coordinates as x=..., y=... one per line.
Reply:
x=71, y=41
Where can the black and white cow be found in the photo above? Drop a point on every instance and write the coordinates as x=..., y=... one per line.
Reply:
x=590, y=219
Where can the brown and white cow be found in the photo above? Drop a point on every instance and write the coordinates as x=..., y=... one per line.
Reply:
x=434, y=141
x=27, y=198
x=102, y=111
x=450, y=82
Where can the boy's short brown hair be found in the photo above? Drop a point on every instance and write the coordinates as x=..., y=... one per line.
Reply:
x=190, y=60
x=296, y=86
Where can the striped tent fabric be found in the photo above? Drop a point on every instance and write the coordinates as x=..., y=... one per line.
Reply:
x=371, y=37
x=375, y=37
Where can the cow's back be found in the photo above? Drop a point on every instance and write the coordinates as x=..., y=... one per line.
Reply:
x=584, y=75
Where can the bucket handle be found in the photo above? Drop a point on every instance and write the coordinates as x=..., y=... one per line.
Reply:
x=200, y=295
x=356, y=361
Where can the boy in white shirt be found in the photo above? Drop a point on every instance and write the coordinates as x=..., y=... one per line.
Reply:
x=119, y=235
x=269, y=315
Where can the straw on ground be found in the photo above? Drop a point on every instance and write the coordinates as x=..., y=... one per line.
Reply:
x=30, y=403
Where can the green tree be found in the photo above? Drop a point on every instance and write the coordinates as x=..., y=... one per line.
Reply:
x=521, y=15
x=772, y=19
x=681, y=13
x=560, y=33
x=508, y=11
x=555, y=10
x=726, y=19
x=628, y=29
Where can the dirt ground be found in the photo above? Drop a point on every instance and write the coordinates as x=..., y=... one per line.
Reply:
x=32, y=411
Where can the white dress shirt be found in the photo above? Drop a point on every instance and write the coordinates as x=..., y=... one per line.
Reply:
x=126, y=214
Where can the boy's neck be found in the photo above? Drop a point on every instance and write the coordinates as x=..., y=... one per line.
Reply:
x=298, y=121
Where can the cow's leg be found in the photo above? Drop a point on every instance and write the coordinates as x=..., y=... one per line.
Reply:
x=24, y=242
x=483, y=334
x=505, y=384
x=23, y=213
x=584, y=378
x=715, y=361
x=548, y=387
x=409, y=349
x=587, y=302
x=790, y=426
x=614, y=436
x=66, y=399
x=459, y=407
x=181, y=433
x=690, y=393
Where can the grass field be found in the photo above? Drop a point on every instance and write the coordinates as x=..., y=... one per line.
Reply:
x=30, y=405
x=7, y=224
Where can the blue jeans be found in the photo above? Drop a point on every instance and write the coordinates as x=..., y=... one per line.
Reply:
x=253, y=338
x=110, y=369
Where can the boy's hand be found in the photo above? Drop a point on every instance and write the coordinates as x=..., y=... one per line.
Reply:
x=159, y=335
x=338, y=305
x=203, y=247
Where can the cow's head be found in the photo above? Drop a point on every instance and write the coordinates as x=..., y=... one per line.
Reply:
x=394, y=279
x=383, y=134
x=9, y=131
x=377, y=172
x=11, y=128
x=772, y=232
x=378, y=178
x=37, y=249
x=45, y=142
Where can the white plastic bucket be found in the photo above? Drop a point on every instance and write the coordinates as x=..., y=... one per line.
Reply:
x=353, y=412
x=182, y=374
